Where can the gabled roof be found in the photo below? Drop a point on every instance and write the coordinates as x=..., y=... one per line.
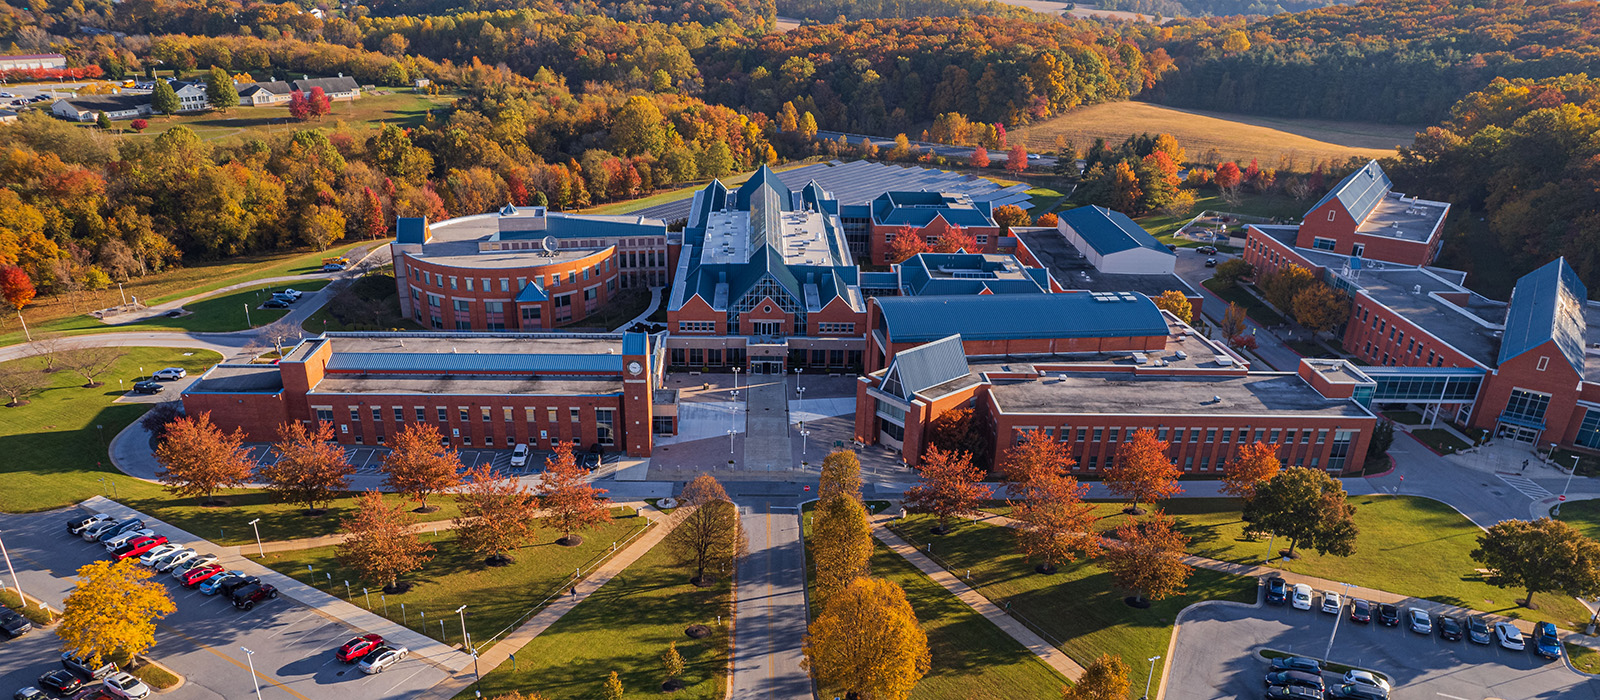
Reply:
x=1359, y=192
x=411, y=229
x=531, y=293
x=1109, y=231
x=1547, y=304
x=764, y=177
x=105, y=103
x=919, y=209
x=1014, y=316
x=925, y=366
x=276, y=87
x=328, y=85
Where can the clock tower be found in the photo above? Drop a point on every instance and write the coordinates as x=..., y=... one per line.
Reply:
x=638, y=394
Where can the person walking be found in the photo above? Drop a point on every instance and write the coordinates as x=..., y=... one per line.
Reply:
x=1524, y=467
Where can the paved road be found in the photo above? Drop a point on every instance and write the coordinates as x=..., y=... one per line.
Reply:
x=770, y=618
x=766, y=444
x=948, y=151
x=1191, y=268
x=202, y=640
x=1214, y=658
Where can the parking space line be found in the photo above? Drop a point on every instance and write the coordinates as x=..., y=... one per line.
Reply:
x=231, y=660
x=1452, y=697
x=297, y=620
x=423, y=667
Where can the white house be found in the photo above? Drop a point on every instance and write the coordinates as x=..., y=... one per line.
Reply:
x=270, y=92
x=1113, y=243
x=340, y=88
x=87, y=108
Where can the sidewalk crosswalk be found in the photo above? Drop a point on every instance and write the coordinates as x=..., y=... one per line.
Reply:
x=1524, y=485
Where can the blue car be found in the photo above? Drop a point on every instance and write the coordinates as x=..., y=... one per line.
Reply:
x=1545, y=641
x=213, y=585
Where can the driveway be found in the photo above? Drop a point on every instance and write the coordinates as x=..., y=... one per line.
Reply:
x=202, y=641
x=1214, y=658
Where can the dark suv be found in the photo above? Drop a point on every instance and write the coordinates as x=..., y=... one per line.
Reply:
x=246, y=597
x=1277, y=590
x=1388, y=614
x=13, y=623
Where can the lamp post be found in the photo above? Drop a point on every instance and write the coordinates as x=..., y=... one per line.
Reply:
x=797, y=372
x=1329, y=653
x=247, y=322
x=248, y=657
x=120, y=294
x=803, y=435
x=1557, y=511
x=259, y=548
x=736, y=380
x=731, y=433
x=1148, y=677
x=466, y=642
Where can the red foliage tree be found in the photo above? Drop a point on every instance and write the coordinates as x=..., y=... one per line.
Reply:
x=980, y=157
x=955, y=239
x=15, y=287
x=139, y=125
x=372, y=214
x=951, y=487
x=1017, y=159
x=907, y=242
x=1228, y=175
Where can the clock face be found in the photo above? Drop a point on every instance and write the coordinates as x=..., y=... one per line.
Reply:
x=635, y=368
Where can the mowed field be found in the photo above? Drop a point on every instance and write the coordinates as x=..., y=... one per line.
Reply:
x=1235, y=136
x=372, y=110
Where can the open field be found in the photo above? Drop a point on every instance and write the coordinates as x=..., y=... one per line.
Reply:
x=496, y=597
x=229, y=525
x=1235, y=136
x=55, y=447
x=972, y=658
x=67, y=313
x=625, y=627
x=373, y=109
x=1079, y=608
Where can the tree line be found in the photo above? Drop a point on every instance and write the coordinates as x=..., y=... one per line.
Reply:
x=835, y=11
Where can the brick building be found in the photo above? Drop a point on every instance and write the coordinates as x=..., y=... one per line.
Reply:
x=1363, y=217
x=480, y=390
x=1090, y=374
x=929, y=215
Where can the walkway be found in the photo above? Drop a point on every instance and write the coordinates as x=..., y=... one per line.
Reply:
x=541, y=621
x=766, y=425
x=655, y=303
x=1046, y=651
x=770, y=611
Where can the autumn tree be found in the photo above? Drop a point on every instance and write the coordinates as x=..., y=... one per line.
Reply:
x=841, y=544
x=1281, y=287
x=20, y=381
x=841, y=474
x=951, y=487
x=570, y=502
x=1234, y=320
x=613, y=689
x=639, y=128
x=112, y=611
x=1228, y=176
x=311, y=469
x=1230, y=271
x=1123, y=192
x=672, y=664
x=1320, y=308
x=418, y=465
x=1106, y=678
x=380, y=545
x=16, y=288
x=1017, y=158
x=1175, y=302
x=1251, y=465
x=90, y=361
x=979, y=158
x=1142, y=472
x=1047, y=219
x=1539, y=556
x=906, y=243
x=956, y=431
x=711, y=536
x=498, y=514
x=1035, y=456
x=1147, y=559
x=1054, y=525
x=954, y=240
x=867, y=644
x=1008, y=215
x=1308, y=507
x=197, y=458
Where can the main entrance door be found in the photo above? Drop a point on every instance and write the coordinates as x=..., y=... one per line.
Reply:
x=766, y=367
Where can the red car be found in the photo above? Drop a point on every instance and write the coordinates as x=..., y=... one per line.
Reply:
x=198, y=575
x=353, y=650
x=142, y=545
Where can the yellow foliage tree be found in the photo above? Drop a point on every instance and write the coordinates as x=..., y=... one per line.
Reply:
x=841, y=544
x=867, y=643
x=1174, y=301
x=1105, y=679
x=841, y=473
x=112, y=610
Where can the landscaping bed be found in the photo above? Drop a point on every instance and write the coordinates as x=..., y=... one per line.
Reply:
x=1440, y=440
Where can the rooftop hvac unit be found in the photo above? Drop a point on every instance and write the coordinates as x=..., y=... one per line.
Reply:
x=1140, y=358
x=1182, y=355
x=1224, y=360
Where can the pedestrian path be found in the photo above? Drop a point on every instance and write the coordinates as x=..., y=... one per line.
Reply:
x=1528, y=487
x=1046, y=651
x=770, y=607
x=655, y=303
x=501, y=652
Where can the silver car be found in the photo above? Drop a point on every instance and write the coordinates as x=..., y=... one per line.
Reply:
x=382, y=658
x=161, y=551
x=193, y=562
x=175, y=559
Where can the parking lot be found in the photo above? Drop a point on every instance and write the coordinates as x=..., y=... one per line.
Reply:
x=202, y=641
x=1214, y=657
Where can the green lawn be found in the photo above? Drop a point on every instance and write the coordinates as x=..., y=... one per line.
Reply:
x=1440, y=440
x=624, y=627
x=972, y=658
x=385, y=106
x=229, y=525
x=496, y=597
x=1265, y=205
x=1044, y=200
x=1584, y=515
x=1253, y=307
x=1583, y=658
x=56, y=451
x=234, y=311
x=1079, y=608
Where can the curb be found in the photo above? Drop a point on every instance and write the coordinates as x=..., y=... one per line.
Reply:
x=1177, y=624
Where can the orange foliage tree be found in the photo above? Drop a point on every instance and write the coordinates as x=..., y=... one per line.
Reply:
x=571, y=502
x=498, y=515
x=1035, y=457
x=951, y=487
x=311, y=468
x=197, y=458
x=955, y=239
x=1055, y=525
x=1251, y=465
x=907, y=242
x=1147, y=560
x=418, y=466
x=1142, y=473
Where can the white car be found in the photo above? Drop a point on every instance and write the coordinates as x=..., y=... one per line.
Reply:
x=1366, y=678
x=170, y=373
x=122, y=539
x=176, y=559
x=1510, y=637
x=158, y=552
x=294, y=294
x=382, y=658
x=1301, y=597
x=1331, y=602
x=194, y=562
x=519, y=455
x=124, y=685
x=6, y=95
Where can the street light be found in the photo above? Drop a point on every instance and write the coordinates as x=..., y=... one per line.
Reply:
x=736, y=381
x=248, y=657
x=797, y=372
x=1149, y=676
x=259, y=548
x=803, y=435
x=247, y=322
x=731, y=433
x=1329, y=653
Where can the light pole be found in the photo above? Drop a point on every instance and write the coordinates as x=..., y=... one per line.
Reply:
x=736, y=380
x=119, y=293
x=803, y=435
x=797, y=372
x=731, y=433
x=1148, y=677
x=247, y=322
x=1329, y=653
x=248, y=657
x=1557, y=511
x=260, y=549
x=465, y=642
x=14, y=582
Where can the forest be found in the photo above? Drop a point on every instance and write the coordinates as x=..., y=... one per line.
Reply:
x=1210, y=8
x=844, y=10
x=1395, y=61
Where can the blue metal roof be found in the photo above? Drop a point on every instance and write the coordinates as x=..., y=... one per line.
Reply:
x=1547, y=304
x=531, y=293
x=1109, y=231
x=1020, y=316
x=1359, y=192
x=634, y=344
x=469, y=363
x=411, y=229
x=921, y=208
x=926, y=366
